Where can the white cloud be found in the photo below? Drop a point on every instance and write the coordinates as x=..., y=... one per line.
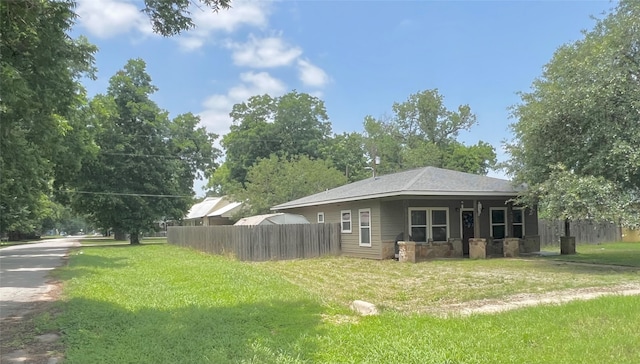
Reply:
x=241, y=13
x=108, y=18
x=312, y=75
x=264, y=52
x=215, y=116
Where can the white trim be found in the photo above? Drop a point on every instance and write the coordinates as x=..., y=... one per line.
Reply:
x=320, y=217
x=394, y=194
x=504, y=210
x=513, y=223
x=342, y=221
x=360, y=227
x=429, y=222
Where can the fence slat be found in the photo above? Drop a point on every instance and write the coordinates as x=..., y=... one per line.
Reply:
x=260, y=243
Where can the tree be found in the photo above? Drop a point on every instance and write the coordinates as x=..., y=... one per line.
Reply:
x=578, y=129
x=290, y=125
x=423, y=132
x=171, y=17
x=43, y=134
x=347, y=153
x=276, y=180
x=39, y=71
x=144, y=170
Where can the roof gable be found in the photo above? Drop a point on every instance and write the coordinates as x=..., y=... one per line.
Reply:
x=206, y=206
x=427, y=181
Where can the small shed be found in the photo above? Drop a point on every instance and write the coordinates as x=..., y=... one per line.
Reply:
x=273, y=219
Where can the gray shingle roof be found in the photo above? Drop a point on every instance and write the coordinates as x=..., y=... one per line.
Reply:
x=427, y=181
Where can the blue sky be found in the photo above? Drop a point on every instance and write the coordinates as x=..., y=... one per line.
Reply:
x=358, y=56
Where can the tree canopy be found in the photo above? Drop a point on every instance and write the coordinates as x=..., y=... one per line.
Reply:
x=276, y=180
x=43, y=107
x=577, y=130
x=41, y=132
x=144, y=169
x=290, y=125
x=423, y=132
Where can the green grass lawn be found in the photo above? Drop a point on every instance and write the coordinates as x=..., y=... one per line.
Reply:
x=163, y=304
x=627, y=254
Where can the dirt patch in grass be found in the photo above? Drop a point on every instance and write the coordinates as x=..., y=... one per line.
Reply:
x=21, y=338
x=513, y=302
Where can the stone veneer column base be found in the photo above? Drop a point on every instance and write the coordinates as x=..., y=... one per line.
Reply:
x=477, y=248
x=407, y=251
x=511, y=247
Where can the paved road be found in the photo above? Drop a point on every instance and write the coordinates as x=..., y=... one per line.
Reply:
x=24, y=271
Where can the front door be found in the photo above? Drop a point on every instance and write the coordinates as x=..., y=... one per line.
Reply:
x=466, y=221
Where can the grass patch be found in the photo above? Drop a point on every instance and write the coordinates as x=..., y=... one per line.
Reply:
x=165, y=304
x=627, y=254
x=428, y=286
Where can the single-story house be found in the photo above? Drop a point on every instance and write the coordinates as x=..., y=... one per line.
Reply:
x=427, y=205
x=212, y=211
x=280, y=218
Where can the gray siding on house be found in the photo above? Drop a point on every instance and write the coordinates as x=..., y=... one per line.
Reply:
x=350, y=242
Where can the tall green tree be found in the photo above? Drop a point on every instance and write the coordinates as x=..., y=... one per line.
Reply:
x=40, y=68
x=423, y=132
x=290, y=125
x=144, y=169
x=347, y=153
x=577, y=130
x=276, y=180
x=43, y=135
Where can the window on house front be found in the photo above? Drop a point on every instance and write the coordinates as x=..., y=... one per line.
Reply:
x=439, y=225
x=498, y=223
x=365, y=227
x=345, y=221
x=320, y=217
x=429, y=223
x=518, y=223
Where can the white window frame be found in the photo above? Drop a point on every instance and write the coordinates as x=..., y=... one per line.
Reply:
x=320, y=217
x=430, y=225
x=360, y=227
x=504, y=210
x=513, y=223
x=343, y=221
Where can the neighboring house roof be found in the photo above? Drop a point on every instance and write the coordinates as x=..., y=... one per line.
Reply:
x=226, y=211
x=207, y=207
x=427, y=181
x=273, y=219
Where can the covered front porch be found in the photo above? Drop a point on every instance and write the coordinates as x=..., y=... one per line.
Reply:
x=459, y=226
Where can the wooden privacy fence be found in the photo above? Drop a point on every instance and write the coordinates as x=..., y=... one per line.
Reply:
x=260, y=243
x=585, y=231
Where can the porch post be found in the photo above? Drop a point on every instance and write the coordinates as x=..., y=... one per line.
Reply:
x=476, y=220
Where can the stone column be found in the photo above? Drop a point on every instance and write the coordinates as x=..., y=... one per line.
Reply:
x=407, y=251
x=567, y=245
x=456, y=245
x=511, y=247
x=477, y=248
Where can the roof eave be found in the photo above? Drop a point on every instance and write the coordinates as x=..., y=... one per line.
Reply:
x=402, y=193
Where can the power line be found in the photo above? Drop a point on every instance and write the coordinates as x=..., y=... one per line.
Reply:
x=127, y=194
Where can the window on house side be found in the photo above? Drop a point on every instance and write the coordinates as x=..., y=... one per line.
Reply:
x=320, y=217
x=365, y=227
x=345, y=221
